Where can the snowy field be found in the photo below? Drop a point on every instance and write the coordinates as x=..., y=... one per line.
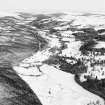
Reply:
x=49, y=82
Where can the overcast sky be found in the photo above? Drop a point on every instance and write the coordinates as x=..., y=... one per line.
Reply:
x=53, y=5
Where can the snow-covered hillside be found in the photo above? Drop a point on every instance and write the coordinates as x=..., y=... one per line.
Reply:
x=49, y=50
